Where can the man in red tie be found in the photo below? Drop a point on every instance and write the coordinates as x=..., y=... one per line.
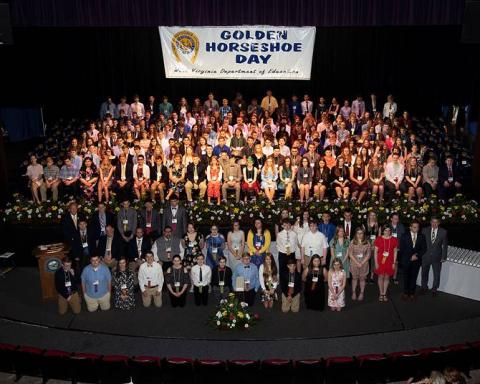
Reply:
x=347, y=223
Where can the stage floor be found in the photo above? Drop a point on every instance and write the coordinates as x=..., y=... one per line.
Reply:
x=21, y=305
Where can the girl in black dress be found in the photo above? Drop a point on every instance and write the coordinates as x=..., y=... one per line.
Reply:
x=177, y=280
x=314, y=289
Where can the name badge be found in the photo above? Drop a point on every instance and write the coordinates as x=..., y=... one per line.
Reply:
x=291, y=285
x=125, y=222
x=360, y=255
x=320, y=181
x=464, y=162
x=68, y=284
x=385, y=254
x=84, y=245
x=314, y=279
x=339, y=254
x=88, y=178
x=204, y=152
x=124, y=286
x=140, y=178
x=69, y=178
x=96, y=282
x=214, y=179
x=230, y=178
x=191, y=244
x=249, y=180
x=123, y=178
x=214, y=250
x=414, y=178
x=177, y=284
x=195, y=178
x=174, y=221
x=450, y=179
x=287, y=180
x=221, y=283
x=372, y=237
x=312, y=165
x=50, y=179
x=247, y=282
x=258, y=245
x=340, y=179
x=168, y=250
x=305, y=175
x=148, y=225
x=394, y=234
x=360, y=178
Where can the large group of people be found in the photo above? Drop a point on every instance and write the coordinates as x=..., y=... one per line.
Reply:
x=156, y=252
x=274, y=148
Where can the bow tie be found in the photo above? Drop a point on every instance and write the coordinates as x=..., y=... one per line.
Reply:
x=247, y=266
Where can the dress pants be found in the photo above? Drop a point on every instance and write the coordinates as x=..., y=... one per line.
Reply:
x=201, y=298
x=73, y=303
x=293, y=305
x=410, y=274
x=149, y=294
x=247, y=296
x=178, y=301
x=437, y=269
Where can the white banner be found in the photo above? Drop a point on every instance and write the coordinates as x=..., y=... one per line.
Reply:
x=243, y=52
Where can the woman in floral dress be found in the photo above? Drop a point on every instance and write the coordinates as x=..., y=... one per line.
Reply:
x=88, y=178
x=123, y=287
x=192, y=244
x=336, y=286
x=176, y=176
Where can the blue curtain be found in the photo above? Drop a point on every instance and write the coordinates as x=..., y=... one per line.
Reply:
x=22, y=123
x=228, y=12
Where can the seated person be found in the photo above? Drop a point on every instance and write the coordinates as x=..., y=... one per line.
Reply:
x=450, y=179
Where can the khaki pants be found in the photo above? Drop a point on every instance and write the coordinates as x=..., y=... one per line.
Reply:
x=93, y=304
x=226, y=186
x=293, y=305
x=53, y=187
x=202, y=187
x=149, y=294
x=73, y=303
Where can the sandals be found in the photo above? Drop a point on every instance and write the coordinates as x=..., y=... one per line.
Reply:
x=354, y=296
x=360, y=296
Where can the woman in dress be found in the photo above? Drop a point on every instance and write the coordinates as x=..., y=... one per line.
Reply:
x=386, y=247
x=250, y=184
x=287, y=175
x=269, y=179
x=339, y=249
x=106, y=172
x=314, y=289
x=123, y=287
x=376, y=177
x=235, y=245
x=304, y=180
x=340, y=175
x=258, y=241
x=372, y=231
x=359, y=179
x=336, y=286
x=88, y=178
x=215, y=243
x=214, y=178
x=176, y=174
x=359, y=253
x=413, y=180
x=269, y=280
x=177, y=280
x=322, y=179
x=192, y=244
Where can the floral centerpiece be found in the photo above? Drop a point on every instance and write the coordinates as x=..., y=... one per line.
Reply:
x=233, y=314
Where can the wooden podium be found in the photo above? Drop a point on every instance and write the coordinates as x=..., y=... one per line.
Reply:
x=49, y=260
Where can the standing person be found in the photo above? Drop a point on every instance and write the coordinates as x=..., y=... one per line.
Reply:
x=412, y=248
x=268, y=276
x=314, y=290
x=291, y=286
x=372, y=231
x=258, y=241
x=177, y=280
x=398, y=230
x=215, y=243
x=126, y=224
x=201, y=276
x=150, y=280
x=336, y=286
x=123, y=287
x=436, y=254
x=245, y=280
x=192, y=243
x=149, y=221
x=175, y=216
x=235, y=245
x=66, y=285
x=359, y=253
x=339, y=250
x=313, y=243
x=287, y=245
x=386, y=247
x=222, y=278
x=327, y=227
x=96, y=285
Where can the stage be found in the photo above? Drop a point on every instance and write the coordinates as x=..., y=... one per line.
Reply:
x=363, y=327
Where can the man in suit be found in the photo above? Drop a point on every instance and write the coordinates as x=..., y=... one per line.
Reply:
x=175, y=216
x=398, y=230
x=137, y=248
x=99, y=221
x=84, y=246
x=436, y=254
x=347, y=223
x=450, y=179
x=196, y=178
x=411, y=250
x=126, y=223
x=110, y=245
x=149, y=221
x=123, y=178
x=70, y=222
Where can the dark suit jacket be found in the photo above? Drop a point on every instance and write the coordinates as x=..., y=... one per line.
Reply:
x=117, y=246
x=437, y=251
x=77, y=249
x=156, y=221
x=407, y=250
x=400, y=230
x=94, y=224
x=133, y=249
x=181, y=227
x=164, y=173
x=128, y=172
x=443, y=174
x=70, y=232
x=201, y=169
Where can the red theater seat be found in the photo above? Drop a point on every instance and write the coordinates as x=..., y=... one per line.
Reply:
x=403, y=365
x=114, y=369
x=28, y=361
x=310, y=370
x=55, y=365
x=84, y=367
x=178, y=370
x=7, y=357
x=371, y=368
x=340, y=369
x=146, y=369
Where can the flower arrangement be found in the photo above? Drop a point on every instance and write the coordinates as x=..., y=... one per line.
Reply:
x=458, y=210
x=233, y=314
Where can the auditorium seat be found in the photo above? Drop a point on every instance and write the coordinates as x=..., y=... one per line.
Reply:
x=242, y=370
x=434, y=359
x=146, y=370
x=55, y=365
x=7, y=357
x=210, y=371
x=475, y=354
x=114, y=369
x=372, y=368
x=28, y=361
x=277, y=370
x=404, y=365
x=178, y=370
x=309, y=371
x=340, y=369
x=460, y=356
x=84, y=367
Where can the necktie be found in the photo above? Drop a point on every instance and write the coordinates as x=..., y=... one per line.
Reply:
x=139, y=248
x=347, y=230
x=414, y=239
x=195, y=172
x=74, y=218
x=201, y=275
x=434, y=235
x=450, y=173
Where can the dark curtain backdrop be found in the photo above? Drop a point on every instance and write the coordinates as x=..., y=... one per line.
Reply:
x=67, y=13
x=69, y=71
